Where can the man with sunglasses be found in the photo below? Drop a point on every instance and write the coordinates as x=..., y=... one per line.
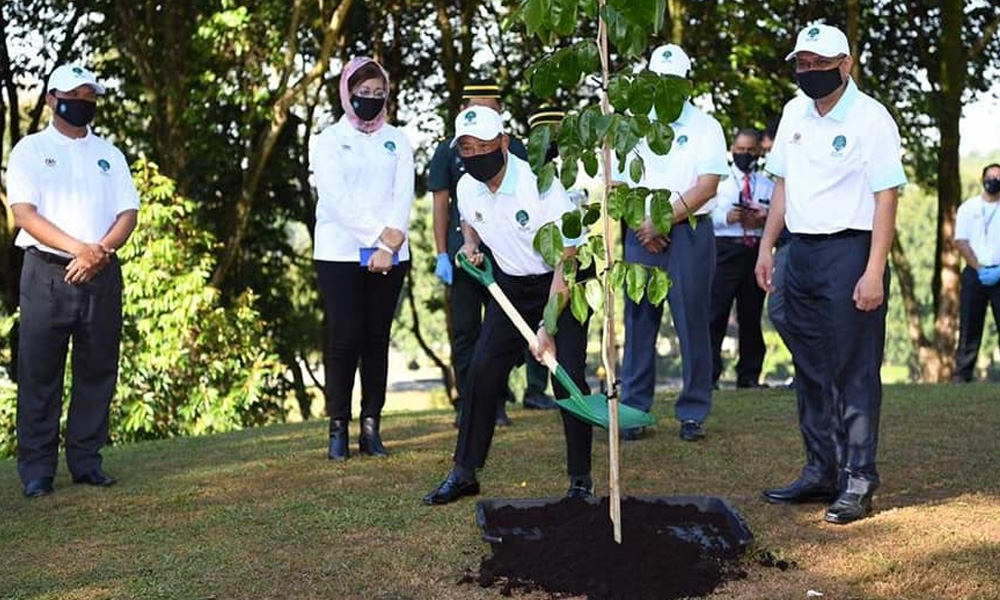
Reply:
x=837, y=162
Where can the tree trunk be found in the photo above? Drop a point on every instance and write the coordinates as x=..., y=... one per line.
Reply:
x=677, y=13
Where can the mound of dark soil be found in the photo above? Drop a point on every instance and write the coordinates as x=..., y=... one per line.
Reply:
x=668, y=550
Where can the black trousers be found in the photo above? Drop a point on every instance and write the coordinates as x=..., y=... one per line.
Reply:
x=838, y=352
x=52, y=313
x=735, y=281
x=359, y=307
x=499, y=348
x=468, y=300
x=975, y=298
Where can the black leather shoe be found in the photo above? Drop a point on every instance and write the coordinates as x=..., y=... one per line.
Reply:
x=580, y=488
x=540, y=402
x=632, y=434
x=95, y=477
x=451, y=489
x=36, y=488
x=502, y=420
x=370, y=442
x=338, y=440
x=849, y=507
x=691, y=431
x=801, y=491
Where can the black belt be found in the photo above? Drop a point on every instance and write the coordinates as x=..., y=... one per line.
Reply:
x=48, y=257
x=846, y=233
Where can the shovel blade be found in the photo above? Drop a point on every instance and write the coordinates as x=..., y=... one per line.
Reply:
x=593, y=409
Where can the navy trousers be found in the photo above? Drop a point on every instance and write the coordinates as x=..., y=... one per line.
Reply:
x=975, y=298
x=52, y=313
x=776, y=310
x=735, y=282
x=838, y=352
x=690, y=263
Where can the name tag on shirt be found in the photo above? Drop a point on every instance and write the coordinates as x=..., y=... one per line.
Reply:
x=366, y=255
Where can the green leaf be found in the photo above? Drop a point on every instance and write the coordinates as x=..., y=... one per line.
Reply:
x=572, y=226
x=569, y=139
x=635, y=168
x=626, y=134
x=595, y=294
x=659, y=16
x=546, y=176
x=585, y=256
x=590, y=164
x=545, y=78
x=641, y=94
x=616, y=275
x=601, y=126
x=635, y=281
x=661, y=211
x=587, y=126
x=549, y=243
x=660, y=137
x=635, y=208
x=570, y=169
x=596, y=244
x=618, y=91
x=588, y=57
x=671, y=93
x=567, y=17
x=616, y=201
x=551, y=313
x=589, y=8
x=538, y=146
x=534, y=13
x=592, y=215
x=658, y=287
x=578, y=302
x=569, y=268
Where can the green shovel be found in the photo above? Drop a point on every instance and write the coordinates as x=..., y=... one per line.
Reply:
x=592, y=408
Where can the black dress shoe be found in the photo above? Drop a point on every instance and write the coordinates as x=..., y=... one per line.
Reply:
x=338, y=449
x=632, y=434
x=451, y=489
x=802, y=491
x=580, y=488
x=849, y=507
x=539, y=402
x=691, y=431
x=38, y=487
x=95, y=477
x=370, y=442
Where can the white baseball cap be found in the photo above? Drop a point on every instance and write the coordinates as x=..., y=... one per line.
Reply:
x=69, y=77
x=824, y=40
x=670, y=59
x=480, y=122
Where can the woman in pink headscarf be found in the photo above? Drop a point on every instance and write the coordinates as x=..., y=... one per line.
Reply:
x=363, y=172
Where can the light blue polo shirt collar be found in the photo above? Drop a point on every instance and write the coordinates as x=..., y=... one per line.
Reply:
x=843, y=106
x=509, y=184
x=686, y=113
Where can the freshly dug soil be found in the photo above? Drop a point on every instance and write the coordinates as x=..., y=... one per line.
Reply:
x=568, y=548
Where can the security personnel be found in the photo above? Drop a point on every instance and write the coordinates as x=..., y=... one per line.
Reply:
x=73, y=197
x=466, y=297
x=501, y=206
x=692, y=171
x=837, y=159
x=738, y=219
x=977, y=235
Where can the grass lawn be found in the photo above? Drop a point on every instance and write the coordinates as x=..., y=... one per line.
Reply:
x=262, y=514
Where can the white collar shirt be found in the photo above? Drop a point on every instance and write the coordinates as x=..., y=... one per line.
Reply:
x=364, y=183
x=834, y=164
x=80, y=185
x=978, y=224
x=507, y=220
x=699, y=148
x=729, y=194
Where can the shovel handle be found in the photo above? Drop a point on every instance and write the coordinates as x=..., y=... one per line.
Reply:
x=483, y=275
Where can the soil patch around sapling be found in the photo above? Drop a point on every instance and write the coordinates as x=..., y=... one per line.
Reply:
x=672, y=547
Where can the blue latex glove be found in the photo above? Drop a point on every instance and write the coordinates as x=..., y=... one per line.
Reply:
x=443, y=270
x=989, y=276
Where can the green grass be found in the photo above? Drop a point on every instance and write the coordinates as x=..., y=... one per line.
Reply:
x=262, y=514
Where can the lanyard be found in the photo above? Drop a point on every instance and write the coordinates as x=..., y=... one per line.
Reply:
x=986, y=222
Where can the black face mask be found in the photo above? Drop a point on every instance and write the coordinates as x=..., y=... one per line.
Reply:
x=367, y=108
x=992, y=186
x=819, y=84
x=745, y=161
x=76, y=112
x=484, y=166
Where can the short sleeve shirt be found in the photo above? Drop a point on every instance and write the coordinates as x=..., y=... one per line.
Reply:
x=508, y=220
x=834, y=164
x=445, y=169
x=978, y=224
x=80, y=185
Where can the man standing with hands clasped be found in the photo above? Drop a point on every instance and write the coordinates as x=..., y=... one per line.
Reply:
x=73, y=197
x=837, y=162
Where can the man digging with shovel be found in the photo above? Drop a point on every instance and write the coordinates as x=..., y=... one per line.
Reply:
x=500, y=205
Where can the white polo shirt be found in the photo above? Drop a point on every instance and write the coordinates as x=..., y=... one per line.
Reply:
x=699, y=148
x=508, y=220
x=729, y=194
x=365, y=183
x=834, y=164
x=80, y=185
x=979, y=224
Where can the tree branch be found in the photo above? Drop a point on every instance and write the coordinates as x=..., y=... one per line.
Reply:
x=988, y=32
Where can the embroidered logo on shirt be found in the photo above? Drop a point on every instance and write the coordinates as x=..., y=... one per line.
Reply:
x=104, y=165
x=522, y=217
x=797, y=138
x=390, y=147
x=50, y=162
x=682, y=140
x=479, y=217
x=839, y=143
x=346, y=147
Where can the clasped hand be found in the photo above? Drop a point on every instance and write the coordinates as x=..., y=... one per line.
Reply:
x=87, y=262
